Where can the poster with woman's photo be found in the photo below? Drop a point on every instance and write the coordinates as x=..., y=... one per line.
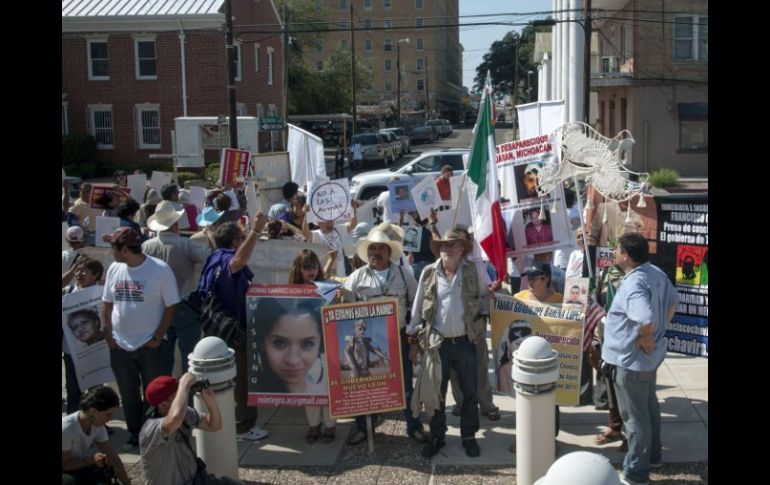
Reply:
x=514, y=320
x=84, y=336
x=285, y=346
x=363, y=358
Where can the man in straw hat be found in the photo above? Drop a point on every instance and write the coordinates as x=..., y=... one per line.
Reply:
x=181, y=254
x=451, y=303
x=383, y=277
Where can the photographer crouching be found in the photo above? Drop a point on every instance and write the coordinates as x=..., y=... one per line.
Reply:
x=165, y=440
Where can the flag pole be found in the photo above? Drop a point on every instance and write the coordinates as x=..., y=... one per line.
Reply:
x=459, y=200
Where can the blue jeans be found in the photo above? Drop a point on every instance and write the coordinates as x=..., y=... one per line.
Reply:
x=640, y=411
x=132, y=368
x=462, y=357
x=186, y=328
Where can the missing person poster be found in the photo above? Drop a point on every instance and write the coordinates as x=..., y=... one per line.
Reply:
x=363, y=357
x=84, y=336
x=513, y=320
x=234, y=166
x=682, y=252
x=401, y=196
x=285, y=346
x=534, y=224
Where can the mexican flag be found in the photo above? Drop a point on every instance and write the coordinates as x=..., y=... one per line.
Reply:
x=483, y=190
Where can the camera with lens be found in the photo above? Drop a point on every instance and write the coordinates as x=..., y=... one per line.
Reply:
x=200, y=385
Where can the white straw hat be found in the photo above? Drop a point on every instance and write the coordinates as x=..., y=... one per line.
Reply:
x=165, y=216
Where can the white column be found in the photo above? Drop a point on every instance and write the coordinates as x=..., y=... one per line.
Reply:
x=565, y=54
x=546, y=87
x=576, y=62
x=556, y=50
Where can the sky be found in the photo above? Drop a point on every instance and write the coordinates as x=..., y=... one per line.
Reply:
x=476, y=40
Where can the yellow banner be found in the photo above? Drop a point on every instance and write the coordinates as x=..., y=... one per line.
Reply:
x=562, y=326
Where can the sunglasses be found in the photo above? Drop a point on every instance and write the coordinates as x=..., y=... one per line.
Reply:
x=309, y=267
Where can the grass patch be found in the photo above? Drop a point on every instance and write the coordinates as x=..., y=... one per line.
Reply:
x=665, y=177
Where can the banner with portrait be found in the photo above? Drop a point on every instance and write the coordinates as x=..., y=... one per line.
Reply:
x=562, y=326
x=363, y=356
x=682, y=252
x=518, y=164
x=285, y=346
x=84, y=336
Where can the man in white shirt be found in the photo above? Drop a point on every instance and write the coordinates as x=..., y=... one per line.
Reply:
x=140, y=295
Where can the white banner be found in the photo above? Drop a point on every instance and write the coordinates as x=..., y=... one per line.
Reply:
x=540, y=118
x=306, y=156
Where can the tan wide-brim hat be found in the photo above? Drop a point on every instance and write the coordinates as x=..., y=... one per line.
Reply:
x=385, y=233
x=449, y=236
x=165, y=216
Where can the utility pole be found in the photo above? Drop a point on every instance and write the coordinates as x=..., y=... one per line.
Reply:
x=587, y=62
x=285, y=77
x=353, y=67
x=427, y=90
x=231, y=73
x=515, y=87
x=398, y=82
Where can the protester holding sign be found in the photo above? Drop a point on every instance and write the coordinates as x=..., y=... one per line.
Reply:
x=331, y=236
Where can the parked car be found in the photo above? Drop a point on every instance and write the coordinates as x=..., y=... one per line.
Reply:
x=443, y=127
x=369, y=185
x=406, y=142
x=376, y=147
x=394, y=142
x=423, y=134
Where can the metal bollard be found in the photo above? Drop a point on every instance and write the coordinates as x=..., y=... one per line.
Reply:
x=213, y=360
x=535, y=371
x=581, y=468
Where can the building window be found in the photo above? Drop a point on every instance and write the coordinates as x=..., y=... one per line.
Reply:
x=343, y=4
x=386, y=4
x=146, y=59
x=420, y=64
x=148, y=125
x=98, y=60
x=418, y=44
x=240, y=109
x=100, y=125
x=319, y=66
x=256, y=56
x=388, y=65
x=269, y=66
x=691, y=38
x=418, y=22
x=387, y=23
x=387, y=45
x=388, y=85
x=693, y=126
x=421, y=84
x=344, y=43
x=368, y=24
x=319, y=45
x=368, y=44
x=367, y=4
x=418, y=4
x=238, y=63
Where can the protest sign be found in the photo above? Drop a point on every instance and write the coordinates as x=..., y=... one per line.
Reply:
x=426, y=197
x=605, y=257
x=401, y=196
x=234, y=166
x=98, y=192
x=285, y=346
x=159, y=179
x=576, y=291
x=329, y=200
x=83, y=334
x=412, y=238
x=363, y=356
x=105, y=225
x=137, y=183
x=562, y=326
x=198, y=196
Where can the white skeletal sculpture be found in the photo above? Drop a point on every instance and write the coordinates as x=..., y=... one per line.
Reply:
x=587, y=153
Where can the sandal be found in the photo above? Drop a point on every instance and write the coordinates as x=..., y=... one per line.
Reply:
x=608, y=436
x=356, y=438
x=328, y=435
x=493, y=415
x=313, y=432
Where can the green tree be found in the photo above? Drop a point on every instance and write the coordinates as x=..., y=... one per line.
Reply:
x=500, y=60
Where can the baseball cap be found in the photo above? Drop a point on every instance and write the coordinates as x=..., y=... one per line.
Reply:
x=160, y=389
x=542, y=269
x=75, y=234
x=125, y=236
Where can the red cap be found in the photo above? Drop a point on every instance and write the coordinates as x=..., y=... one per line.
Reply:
x=125, y=236
x=160, y=389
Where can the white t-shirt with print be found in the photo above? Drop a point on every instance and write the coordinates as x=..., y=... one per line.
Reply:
x=139, y=296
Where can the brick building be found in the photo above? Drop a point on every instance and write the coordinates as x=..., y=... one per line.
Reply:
x=130, y=67
x=431, y=62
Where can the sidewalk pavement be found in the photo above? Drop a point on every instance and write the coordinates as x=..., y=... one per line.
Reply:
x=285, y=457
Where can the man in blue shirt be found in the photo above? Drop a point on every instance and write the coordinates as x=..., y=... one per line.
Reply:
x=633, y=343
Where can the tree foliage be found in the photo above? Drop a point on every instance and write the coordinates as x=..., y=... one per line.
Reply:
x=500, y=60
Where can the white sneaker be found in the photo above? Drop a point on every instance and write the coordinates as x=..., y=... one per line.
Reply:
x=628, y=481
x=254, y=434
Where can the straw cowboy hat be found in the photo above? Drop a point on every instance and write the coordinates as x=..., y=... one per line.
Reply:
x=385, y=233
x=165, y=216
x=449, y=236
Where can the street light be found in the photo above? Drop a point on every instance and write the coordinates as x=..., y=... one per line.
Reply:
x=398, y=68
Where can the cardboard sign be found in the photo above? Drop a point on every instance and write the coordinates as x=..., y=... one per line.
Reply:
x=363, y=356
x=159, y=179
x=234, y=167
x=105, y=225
x=286, y=364
x=137, y=183
x=329, y=200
